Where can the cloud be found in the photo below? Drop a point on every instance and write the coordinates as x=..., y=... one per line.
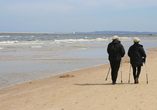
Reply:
x=79, y=14
x=119, y=4
x=37, y=7
x=60, y=6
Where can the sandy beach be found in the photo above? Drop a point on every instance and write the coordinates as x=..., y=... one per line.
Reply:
x=86, y=89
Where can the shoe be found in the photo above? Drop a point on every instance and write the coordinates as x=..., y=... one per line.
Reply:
x=136, y=81
x=114, y=82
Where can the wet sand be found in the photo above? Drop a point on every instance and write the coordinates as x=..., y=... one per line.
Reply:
x=86, y=89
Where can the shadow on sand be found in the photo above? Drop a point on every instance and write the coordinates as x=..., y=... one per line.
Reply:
x=88, y=84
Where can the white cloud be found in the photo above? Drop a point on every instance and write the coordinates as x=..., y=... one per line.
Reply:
x=60, y=6
x=37, y=7
x=120, y=4
x=79, y=14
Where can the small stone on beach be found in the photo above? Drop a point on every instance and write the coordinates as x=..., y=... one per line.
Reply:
x=66, y=76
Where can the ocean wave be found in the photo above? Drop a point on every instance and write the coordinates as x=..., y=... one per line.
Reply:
x=8, y=42
x=20, y=42
x=63, y=41
x=125, y=38
x=4, y=36
x=79, y=40
x=38, y=46
x=90, y=40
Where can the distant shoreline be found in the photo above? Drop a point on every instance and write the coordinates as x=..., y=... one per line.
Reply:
x=76, y=34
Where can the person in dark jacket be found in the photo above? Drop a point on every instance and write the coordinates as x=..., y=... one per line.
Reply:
x=137, y=58
x=116, y=51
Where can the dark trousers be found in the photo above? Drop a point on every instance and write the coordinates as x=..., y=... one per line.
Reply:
x=136, y=72
x=114, y=69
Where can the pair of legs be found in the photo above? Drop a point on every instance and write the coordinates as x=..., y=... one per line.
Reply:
x=114, y=70
x=136, y=73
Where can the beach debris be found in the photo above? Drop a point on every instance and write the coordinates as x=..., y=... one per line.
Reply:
x=66, y=76
x=127, y=62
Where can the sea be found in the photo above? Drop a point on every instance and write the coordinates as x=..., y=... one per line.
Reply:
x=30, y=56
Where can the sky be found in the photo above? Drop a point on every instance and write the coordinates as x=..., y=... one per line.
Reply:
x=55, y=16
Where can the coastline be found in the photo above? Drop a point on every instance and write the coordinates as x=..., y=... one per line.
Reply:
x=86, y=89
x=77, y=34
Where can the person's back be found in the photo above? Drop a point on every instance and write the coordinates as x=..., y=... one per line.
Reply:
x=137, y=57
x=136, y=54
x=116, y=51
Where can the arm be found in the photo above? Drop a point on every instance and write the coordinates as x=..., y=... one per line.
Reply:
x=129, y=52
x=142, y=52
x=108, y=48
x=122, y=51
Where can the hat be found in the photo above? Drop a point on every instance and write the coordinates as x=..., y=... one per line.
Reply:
x=114, y=37
x=136, y=39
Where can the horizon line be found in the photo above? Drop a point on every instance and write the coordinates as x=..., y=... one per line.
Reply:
x=74, y=33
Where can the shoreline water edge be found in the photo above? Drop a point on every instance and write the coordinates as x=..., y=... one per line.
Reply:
x=86, y=89
x=27, y=57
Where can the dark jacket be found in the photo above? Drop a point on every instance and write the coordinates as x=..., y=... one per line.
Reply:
x=119, y=50
x=136, y=54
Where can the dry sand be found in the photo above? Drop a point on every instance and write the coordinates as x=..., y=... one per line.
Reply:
x=86, y=89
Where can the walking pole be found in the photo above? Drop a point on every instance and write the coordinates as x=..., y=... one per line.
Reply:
x=129, y=74
x=146, y=73
x=107, y=74
x=121, y=72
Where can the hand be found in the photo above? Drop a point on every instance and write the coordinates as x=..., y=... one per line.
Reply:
x=144, y=60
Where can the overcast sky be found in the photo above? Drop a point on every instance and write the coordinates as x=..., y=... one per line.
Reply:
x=78, y=15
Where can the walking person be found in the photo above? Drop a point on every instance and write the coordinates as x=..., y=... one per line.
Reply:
x=137, y=58
x=115, y=52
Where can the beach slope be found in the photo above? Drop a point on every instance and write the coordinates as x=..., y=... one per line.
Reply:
x=86, y=89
